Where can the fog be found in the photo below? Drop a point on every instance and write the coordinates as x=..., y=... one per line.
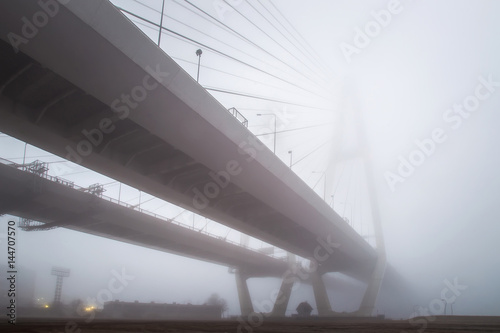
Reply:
x=435, y=168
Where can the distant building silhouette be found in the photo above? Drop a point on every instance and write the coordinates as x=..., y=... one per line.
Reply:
x=136, y=310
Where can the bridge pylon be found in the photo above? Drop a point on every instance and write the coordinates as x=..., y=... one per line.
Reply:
x=246, y=306
x=351, y=118
x=320, y=295
x=283, y=297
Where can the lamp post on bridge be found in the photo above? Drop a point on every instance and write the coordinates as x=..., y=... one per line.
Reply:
x=199, y=52
x=275, y=120
x=161, y=21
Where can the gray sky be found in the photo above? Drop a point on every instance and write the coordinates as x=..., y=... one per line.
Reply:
x=440, y=218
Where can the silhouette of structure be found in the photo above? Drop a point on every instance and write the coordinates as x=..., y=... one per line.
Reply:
x=136, y=310
x=304, y=309
x=60, y=273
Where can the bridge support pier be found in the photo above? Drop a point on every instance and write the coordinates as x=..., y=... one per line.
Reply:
x=370, y=296
x=320, y=295
x=246, y=306
x=282, y=299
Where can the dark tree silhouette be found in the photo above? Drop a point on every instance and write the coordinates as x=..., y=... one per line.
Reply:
x=215, y=299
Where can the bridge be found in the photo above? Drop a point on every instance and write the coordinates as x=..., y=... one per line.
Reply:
x=88, y=86
x=51, y=202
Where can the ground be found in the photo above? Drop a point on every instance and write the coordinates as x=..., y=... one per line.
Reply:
x=450, y=324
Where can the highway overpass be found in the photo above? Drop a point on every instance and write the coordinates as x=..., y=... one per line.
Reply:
x=87, y=85
x=58, y=203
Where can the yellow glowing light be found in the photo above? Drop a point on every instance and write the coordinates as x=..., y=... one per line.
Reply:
x=46, y=306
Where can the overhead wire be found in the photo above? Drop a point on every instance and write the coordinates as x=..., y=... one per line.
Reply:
x=312, y=152
x=166, y=203
x=205, y=34
x=348, y=190
x=262, y=98
x=76, y=173
x=260, y=126
x=55, y=162
x=359, y=195
x=340, y=178
x=298, y=33
x=270, y=37
x=284, y=27
x=143, y=202
x=196, y=43
x=38, y=156
x=313, y=61
x=361, y=213
x=273, y=110
x=235, y=75
x=294, y=129
x=111, y=183
x=317, y=182
x=291, y=34
x=219, y=52
x=251, y=42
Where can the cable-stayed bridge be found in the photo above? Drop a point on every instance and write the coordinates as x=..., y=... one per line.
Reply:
x=90, y=87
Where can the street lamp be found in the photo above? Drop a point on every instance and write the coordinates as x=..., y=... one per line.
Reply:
x=275, y=120
x=291, y=154
x=199, y=52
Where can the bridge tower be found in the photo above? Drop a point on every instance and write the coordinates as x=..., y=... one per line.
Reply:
x=351, y=118
x=350, y=123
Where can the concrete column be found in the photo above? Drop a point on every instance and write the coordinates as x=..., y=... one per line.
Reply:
x=321, y=296
x=243, y=293
x=370, y=296
x=281, y=304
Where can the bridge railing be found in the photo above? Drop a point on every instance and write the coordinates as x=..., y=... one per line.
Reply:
x=28, y=168
x=7, y=162
x=237, y=114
